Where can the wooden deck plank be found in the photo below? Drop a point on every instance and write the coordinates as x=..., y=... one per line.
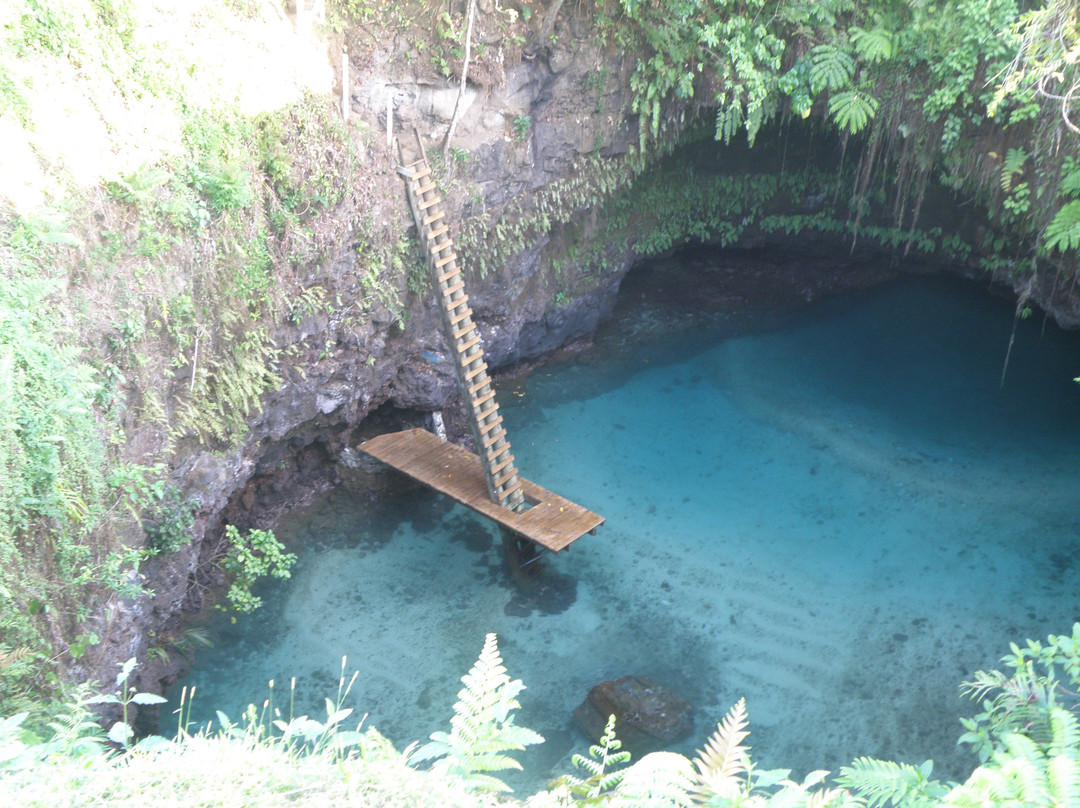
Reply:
x=553, y=522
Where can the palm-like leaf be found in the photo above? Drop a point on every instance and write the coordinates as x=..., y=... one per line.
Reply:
x=725, y=760
x=1013, y=165
x=1063, y=774
x=830, y=68
x=874, y=45
x=482, y=728
x=883, y=782
x=852, y=110
x=1063, y=233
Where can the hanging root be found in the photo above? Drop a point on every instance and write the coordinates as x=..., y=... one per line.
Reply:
x=1021, y=307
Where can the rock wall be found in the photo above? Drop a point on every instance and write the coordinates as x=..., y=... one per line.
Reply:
x=528, y=117
x=391, y=370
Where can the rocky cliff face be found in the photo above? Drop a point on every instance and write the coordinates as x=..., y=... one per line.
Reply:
x=390, y=369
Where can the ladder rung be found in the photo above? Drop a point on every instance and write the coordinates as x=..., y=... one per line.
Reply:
x=509, y=492
x=421, y=172
x=465, y=329
x=511, y=474
x=465, y=346
x=490, y=440
x=448, y=275
x=489, y=394
x=479, y=386
x=425, y=188
x=502, y=464
x=449, y=290
x=453, y=304
x=433, y=217
x=430, y=203
x=476, y=371
x=494, y=408
x=444, y=261
x=457, y=318
x=434, y=234
x=485, y=428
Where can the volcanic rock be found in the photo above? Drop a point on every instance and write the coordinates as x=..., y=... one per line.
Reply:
x=648, y=716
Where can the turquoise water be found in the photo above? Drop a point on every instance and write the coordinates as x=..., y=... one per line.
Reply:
x=837, y=512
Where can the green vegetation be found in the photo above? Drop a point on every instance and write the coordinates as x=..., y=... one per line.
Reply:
x=164, y=211
x=971, y=96
x=1027, y=739
x=522, y=124
x=171, y=218
x=482, y=729
x=250, y=558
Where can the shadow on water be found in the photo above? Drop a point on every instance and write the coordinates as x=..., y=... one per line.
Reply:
x=835, y=511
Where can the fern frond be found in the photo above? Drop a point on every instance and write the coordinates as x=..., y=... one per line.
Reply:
x=482, y=728
x=1070, y=182
x=1065, y=732
x=492, y=762
x=852, y=110
x=729, y=116
x=884, y=782
x=1063, y=775
x=830, y=68
x=1024, y=766
x=724, y=759
x=658, y=779
x=875, y=45
x=1063, y=232
x=9, y=658
x=602, y=756
x=1013, y=165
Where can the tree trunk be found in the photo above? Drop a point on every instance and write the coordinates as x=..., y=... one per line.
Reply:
x=464, y=76
x=549, y=21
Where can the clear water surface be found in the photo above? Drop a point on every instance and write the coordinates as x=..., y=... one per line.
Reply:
x=839, y=514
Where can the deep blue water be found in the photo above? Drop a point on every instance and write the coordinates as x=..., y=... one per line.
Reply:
x=838, y=512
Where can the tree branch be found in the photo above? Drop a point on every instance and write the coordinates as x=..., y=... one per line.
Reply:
x=464, y=75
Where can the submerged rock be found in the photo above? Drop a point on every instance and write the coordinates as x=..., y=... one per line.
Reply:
x=648, y=716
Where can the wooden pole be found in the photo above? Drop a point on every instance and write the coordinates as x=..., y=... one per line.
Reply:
x=464, y=76
x=389, y=118
x=345, y=91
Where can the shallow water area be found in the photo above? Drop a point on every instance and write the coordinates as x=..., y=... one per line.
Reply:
x=837, y=512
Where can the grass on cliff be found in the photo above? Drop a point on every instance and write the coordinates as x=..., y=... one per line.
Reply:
x=175, y=182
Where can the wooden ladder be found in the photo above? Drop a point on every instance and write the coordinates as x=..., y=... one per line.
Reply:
x=492, y=445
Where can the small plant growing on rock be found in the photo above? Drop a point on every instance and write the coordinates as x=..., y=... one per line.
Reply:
x=522, y=123
x=249, y=558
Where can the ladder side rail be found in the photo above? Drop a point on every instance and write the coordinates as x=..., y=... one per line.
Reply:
x=476, y=384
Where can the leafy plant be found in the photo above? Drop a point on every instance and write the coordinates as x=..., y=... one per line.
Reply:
x=830, y=68
x=1063, y=232
x=250, y=557
x=521, y=126
x=1025, y=699
x=874, y=45
x=169, y=527
x=598, y=765
x=883, y=783
x=121, y=732
x=137, y=187
x=852, y=110
x=482, y=728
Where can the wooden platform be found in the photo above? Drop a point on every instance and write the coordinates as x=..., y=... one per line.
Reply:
x=552, y=521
